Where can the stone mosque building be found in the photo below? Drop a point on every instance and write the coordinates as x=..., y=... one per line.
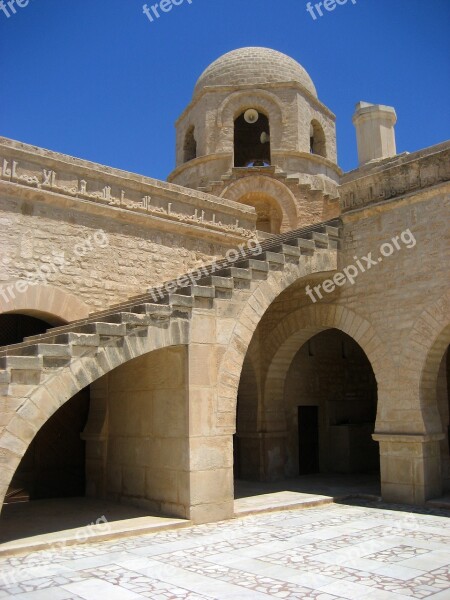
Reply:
x=260, y=316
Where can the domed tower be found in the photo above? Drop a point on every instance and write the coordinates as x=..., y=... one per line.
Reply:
x=255, y=132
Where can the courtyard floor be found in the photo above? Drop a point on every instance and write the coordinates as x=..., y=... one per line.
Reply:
x=366, y=551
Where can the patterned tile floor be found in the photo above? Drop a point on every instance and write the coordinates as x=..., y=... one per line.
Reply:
x=335, y=552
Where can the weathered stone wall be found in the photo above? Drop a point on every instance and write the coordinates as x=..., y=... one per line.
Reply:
x=443, y=398
x=400, y=305
x=52, y=208
x=148, y=446
x=127, y=261
x=396, y=311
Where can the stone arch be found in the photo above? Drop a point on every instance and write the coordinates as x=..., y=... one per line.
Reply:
x=47, y=302
x=426, y=345
x=266, y=186
x=303, y=324
x=238, y=102
x=29, y=414
x=248, y=319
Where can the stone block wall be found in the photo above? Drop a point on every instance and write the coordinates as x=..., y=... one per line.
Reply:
x=99, y=234
x=147, y=460
x=396, y=309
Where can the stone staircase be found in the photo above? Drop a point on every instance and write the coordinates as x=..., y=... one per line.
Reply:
x=317, y=189
x=28, y=364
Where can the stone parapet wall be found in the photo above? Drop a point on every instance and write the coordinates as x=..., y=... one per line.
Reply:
x=51, y=205
x=392, y=178
x=91, y=184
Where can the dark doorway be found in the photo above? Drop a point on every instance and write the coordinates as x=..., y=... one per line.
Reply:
x=308, y=439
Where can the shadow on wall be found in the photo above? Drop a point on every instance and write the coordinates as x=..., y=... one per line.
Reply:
x=54, y=464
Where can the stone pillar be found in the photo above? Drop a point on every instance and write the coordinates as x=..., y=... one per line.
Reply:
x=374, y=131
x=210, y=450
x=147, y=462
x=410, y=467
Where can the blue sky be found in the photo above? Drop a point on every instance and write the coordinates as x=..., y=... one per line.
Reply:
x=98, y=80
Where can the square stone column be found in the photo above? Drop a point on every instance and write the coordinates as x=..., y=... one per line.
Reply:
x=210, y=450
x=410, y=467
x=375, y=131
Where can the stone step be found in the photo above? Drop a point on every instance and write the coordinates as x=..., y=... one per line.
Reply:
x=102, y=329
x=131, y=319
x=333, y=232
x=221, y=283
x=21, y=363
x=334, y=237
x=305, y=246
x=321, y=240
x=179, y=300
x=44, y=350
x=288, y=250
x=258, y=266
x=53, y=355
x=86, y=336
x=198, y=291
x=155, y=310
x=23, y=370
x=84, y=340
x=237, y=274
x=272, y=258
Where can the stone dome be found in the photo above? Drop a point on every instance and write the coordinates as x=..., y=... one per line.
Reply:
x=254, y=66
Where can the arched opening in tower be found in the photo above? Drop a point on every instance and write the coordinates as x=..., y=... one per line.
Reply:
x=252, y=140
x=317, y=139
x=190, y=145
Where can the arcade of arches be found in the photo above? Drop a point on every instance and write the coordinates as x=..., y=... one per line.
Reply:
x=353, y=382
x=306, y=404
